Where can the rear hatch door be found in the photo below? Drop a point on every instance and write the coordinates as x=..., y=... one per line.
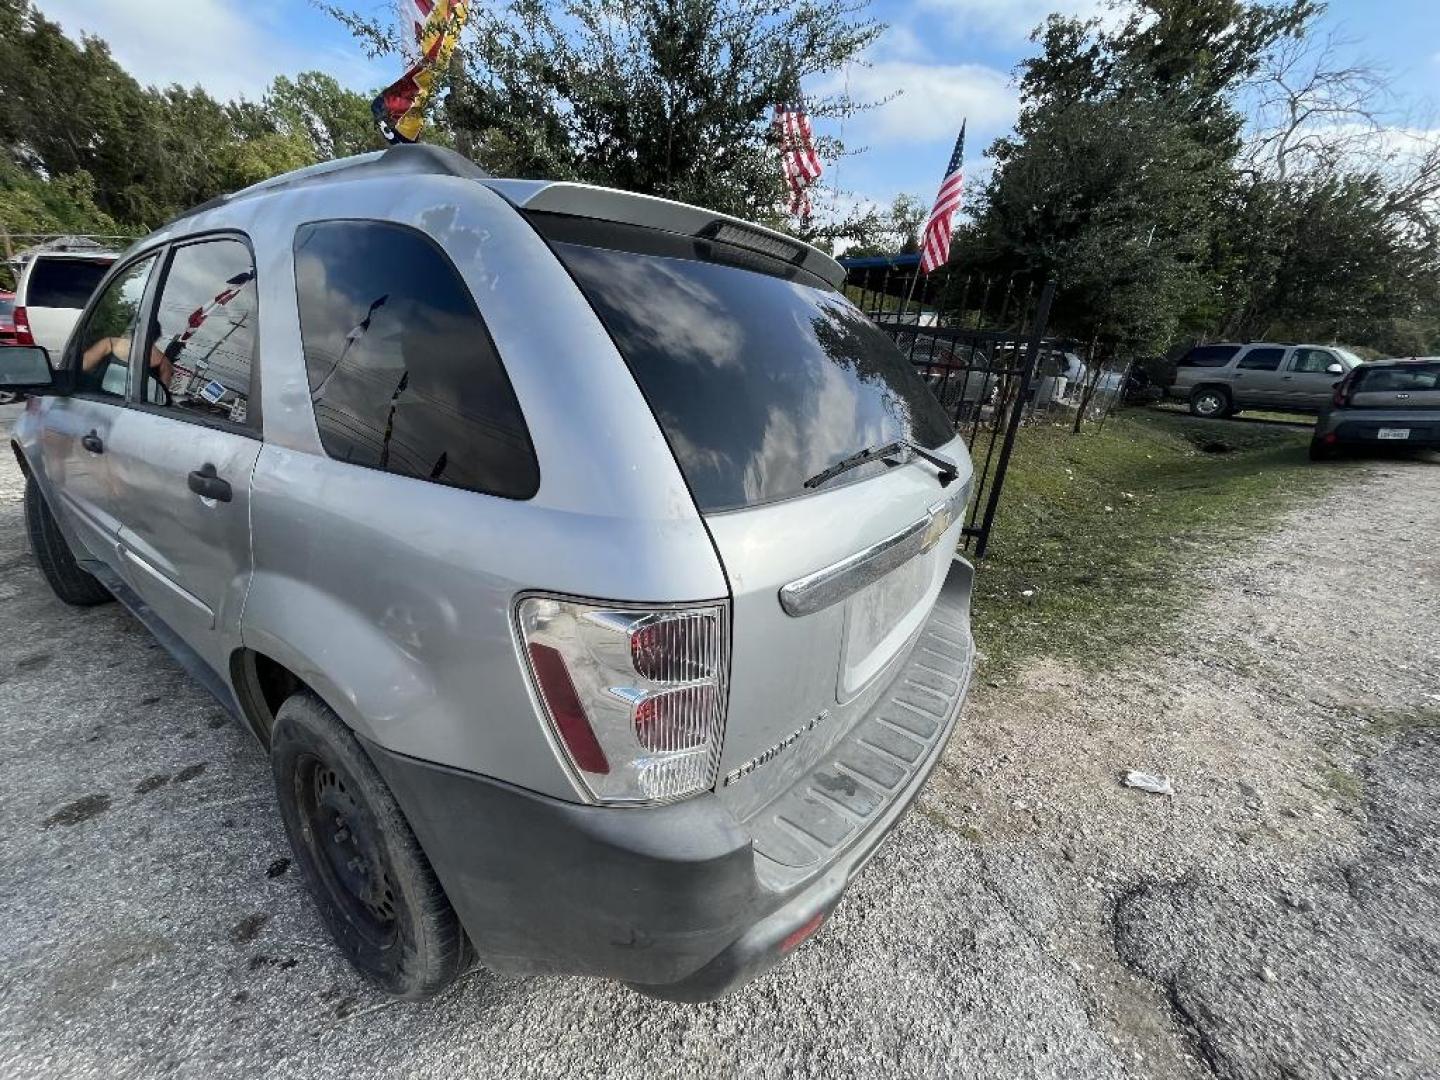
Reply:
x=1401, y=386
x=762, y=376
x=55, y=291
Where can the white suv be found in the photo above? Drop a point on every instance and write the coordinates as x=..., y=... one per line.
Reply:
x=53, y=288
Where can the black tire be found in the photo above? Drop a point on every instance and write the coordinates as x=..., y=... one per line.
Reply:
x=1201, y=400
x=1320, y=451
x=371, y=882
x=57, y=562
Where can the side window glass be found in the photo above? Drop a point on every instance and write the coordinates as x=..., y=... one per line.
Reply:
x=1313, y=361
x=403, y=374
x=202, y=348
x=105, y=340
x=1261, y=359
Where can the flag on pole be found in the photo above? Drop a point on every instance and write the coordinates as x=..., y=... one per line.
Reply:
x=400, y=107
x=935, y=237
x=798, y=157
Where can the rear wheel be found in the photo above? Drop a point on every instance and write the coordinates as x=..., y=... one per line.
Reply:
x=373, y=885
x=1210, y=403
x=1323, y=451
x=57, y=562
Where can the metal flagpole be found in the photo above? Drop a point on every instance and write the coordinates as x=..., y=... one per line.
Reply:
x=911, y=292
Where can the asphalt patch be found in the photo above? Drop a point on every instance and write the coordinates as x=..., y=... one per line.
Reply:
x=188, y=773
x=82, y=809
x=151, y=782
x=248, y=928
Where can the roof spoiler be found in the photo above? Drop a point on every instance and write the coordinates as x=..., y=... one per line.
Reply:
x=649, y=211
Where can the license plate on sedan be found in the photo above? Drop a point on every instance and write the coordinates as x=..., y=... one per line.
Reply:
x=1393, y=433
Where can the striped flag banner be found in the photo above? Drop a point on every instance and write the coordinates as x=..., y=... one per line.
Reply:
x=935, y=236
x=798, y=156
x=399, y=109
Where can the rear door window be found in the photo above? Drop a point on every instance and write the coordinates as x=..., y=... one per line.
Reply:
x=1261, y=360
x=759, y=381
x=202, y=355
x=64, y=283
x=403, y=374
x=1209, y=356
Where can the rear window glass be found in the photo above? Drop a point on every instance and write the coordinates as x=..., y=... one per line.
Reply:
x=1209, y=356
x=7, y=307
x=758, y=382
x=403, y=374
x=64, y=283
x=1398, y=380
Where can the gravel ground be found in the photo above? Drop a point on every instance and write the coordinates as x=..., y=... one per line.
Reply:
x=1279, y=917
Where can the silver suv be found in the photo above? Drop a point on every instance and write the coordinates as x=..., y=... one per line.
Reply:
x=584, y=561
x=1220, y=380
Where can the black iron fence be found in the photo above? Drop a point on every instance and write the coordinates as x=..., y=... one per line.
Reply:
x=980, y=344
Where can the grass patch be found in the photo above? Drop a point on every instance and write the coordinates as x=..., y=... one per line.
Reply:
x=1399, y=721
x=1106, y=527
x=1344, y=784
x=940, y=820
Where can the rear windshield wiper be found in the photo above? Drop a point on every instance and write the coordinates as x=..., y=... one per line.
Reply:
x=948, y=469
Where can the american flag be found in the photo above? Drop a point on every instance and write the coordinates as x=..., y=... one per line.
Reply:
x=935, y=237
x=797, y=154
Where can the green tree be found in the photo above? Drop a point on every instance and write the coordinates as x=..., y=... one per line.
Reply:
x=335, y=122
x=664, y=97
x=893, y=230
x=1122, y=160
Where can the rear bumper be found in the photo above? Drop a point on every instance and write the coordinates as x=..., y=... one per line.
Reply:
x=1362, y=427
x=675, y=900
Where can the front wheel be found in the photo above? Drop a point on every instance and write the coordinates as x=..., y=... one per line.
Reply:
x=374, y=887
x=1209, y=403
x=57, y=563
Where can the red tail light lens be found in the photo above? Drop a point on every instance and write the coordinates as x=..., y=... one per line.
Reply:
x=636, y=697
x=23, y=336
x=674, y=648
x=675, y=719
x=558, y=689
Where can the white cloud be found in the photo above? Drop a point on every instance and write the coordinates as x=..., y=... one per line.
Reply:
x=229, y=47
x=933, y=100
x=1012, y=19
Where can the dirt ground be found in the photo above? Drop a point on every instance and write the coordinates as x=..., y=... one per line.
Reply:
x=1279, y=917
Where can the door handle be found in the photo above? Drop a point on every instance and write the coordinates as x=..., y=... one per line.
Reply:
x=207, y=485
x=91, y=441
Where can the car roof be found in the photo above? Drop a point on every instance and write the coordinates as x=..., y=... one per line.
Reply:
x=543, y=196
x=87, y=254
x=1402, y=361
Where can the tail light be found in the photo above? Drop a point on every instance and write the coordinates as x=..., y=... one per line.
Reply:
x=23, y=336
x=636, y=697
x=1344, y=389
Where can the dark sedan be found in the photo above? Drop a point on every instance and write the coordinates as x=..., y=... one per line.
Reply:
x=1388, y=403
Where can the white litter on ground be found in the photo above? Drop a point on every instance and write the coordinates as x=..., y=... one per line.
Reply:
x=1156, y=785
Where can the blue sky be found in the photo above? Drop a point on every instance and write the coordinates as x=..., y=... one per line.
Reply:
x=951, y=59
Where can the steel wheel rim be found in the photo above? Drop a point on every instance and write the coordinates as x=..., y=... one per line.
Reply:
x=346, y=851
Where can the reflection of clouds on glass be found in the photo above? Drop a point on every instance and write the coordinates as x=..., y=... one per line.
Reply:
x=758, y=381
x=686, y=320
